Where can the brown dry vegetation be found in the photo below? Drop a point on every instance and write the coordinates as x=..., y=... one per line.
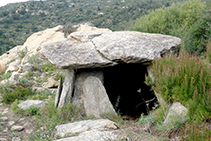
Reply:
x=2, y=68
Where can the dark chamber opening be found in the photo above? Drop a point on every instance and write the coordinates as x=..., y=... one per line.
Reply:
x=122, y=83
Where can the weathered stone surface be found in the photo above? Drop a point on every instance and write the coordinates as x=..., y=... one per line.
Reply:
x=14, y=79
x=81, y=126
x=10, y=123
x=58, y=93
x=67, y=89
x=96, y=100
x=93, y=135
x=78, y=55
x=16, y=139
x=89, y=50
x=177, y=112
x=17, y=128
x=10, y=55
x=134, y=47
x=4, y=118
x=26, y=104
x=81, y=76
x=51, y=83
x=41, y=37
x=14, y=65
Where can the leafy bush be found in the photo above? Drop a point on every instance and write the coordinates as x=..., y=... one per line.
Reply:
x=18, y=93
x=189, y=20
x=186, y=79
x=198, y=35
x=7, y=75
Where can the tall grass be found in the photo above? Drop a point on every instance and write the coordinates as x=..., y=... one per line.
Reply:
x=187, y=79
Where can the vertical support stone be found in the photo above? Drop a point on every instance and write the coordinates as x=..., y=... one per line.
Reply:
x=81, y=76
x=96, y=100
x=58, y=93
x=160, y=99
x=68, y=86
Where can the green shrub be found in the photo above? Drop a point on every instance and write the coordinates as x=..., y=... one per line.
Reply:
x=196, y=132
x=32, y=111
x=22, y=53
x=189, y=20
x=18, y=93
x=198, y=35
x=33, y=59
x=186, y=79
x=7, y=75
x=49, y=67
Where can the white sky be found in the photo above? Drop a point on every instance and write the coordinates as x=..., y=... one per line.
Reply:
x=4, y=2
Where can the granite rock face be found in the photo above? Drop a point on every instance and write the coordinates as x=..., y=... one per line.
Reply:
x=108, y=49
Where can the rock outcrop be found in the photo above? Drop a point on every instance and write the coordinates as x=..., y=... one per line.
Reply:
x=80, y=127
x=108, y=49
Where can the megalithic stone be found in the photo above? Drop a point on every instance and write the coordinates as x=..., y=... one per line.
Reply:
x=68, y=86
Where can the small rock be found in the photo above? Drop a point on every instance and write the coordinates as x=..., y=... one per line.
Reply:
x=5, y=130
x=3, y=139
x=16, y=139
x=17, y=128
x=111, y=125
x=22, y=119
x=51, y=83
x=29, y=131
x=5, y=111
x=4, y=118
x=28, y=103
x=10, y=123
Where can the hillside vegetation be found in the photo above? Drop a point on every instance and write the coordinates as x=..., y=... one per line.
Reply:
x=18, y=21
x=190, y=20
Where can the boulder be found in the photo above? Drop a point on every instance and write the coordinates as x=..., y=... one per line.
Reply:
x=51, y=83
x=67, y=89
x=93, y=135
x=89, y=50
x=81, y=76
x=81, y=126
x=46, y=36
x=96, y=100
x=177, y=113
x=28, y=103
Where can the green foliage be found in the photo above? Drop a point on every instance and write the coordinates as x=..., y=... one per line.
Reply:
x=189, y=20
x=33, y=59
x=15, y=109
x=49, y=67
x=18, y=93
x=22, y=53
x=115, y=15
x=6, y=76
x=48, y=116
x=32, y=111
x=196, y=132
x=186, y=79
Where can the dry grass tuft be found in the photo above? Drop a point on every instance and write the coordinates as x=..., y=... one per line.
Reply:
x=2, y=68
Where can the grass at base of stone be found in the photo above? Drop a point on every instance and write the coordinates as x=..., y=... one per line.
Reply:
x=48, y=117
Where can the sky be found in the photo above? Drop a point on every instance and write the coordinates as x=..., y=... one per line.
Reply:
x=4, y=2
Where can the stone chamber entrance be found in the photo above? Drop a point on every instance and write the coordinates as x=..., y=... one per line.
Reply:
x=127, y=91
